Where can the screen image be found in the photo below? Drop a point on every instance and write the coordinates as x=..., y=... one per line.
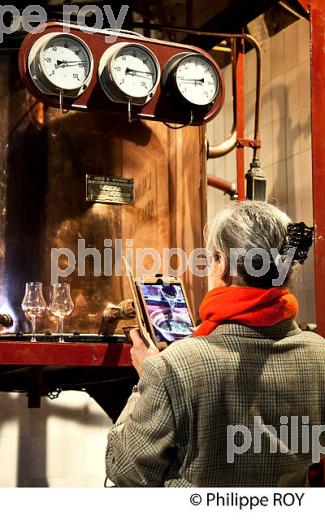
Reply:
x=166, y=306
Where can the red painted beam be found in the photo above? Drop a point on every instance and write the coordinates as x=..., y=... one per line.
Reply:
x=318, y=152
x=240, y=107
x=65, y=354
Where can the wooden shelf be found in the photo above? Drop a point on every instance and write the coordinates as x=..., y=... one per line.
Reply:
x=65, y=354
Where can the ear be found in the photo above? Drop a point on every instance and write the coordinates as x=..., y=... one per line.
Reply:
x=220, y=271
x=223, y=265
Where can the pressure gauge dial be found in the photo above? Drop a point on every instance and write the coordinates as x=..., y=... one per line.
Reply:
x=61, y=63
x=129, y=72
x=193, y=78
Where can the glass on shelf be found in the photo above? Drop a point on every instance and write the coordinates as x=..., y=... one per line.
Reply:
x=61, y=304
x=33, y=304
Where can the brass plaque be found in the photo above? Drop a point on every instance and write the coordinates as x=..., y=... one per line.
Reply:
x=109, y=190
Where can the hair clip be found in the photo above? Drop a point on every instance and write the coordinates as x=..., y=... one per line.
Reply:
x=300, y=237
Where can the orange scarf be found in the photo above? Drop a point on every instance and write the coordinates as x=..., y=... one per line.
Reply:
x=248, y=305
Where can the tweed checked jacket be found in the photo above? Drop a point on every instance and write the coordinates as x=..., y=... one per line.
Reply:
x=173, y=432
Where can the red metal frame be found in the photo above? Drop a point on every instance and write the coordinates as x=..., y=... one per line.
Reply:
x=240, y=108
x=317, y=19
x=318, y=152
x=65, y=354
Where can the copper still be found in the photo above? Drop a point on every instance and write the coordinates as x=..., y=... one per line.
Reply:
x=45, y=156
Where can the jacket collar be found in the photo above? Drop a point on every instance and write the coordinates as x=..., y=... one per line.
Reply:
x=281, y=330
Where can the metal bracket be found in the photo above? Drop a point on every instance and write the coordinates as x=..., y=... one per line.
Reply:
x=250, y=143
x=34, y=393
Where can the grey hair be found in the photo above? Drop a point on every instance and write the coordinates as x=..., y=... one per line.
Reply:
x=247, y=225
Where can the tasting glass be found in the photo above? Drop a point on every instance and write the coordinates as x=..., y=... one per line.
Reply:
x=33, y=304
x=61, y=304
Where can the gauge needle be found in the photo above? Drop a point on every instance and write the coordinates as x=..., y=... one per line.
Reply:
x=137, y=72
x=192, y=80
x=65, y=62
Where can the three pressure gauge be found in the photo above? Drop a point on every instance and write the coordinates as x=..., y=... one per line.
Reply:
x=63, y=64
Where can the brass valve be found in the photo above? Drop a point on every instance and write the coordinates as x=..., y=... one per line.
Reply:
x=122, y=311
x=6, y=320
x=113, y=314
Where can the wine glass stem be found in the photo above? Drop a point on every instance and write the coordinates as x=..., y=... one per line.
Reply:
x=33, y=328
x=61, y=327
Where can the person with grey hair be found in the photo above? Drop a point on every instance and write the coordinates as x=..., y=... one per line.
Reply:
x=230, y=406
x=252, y=227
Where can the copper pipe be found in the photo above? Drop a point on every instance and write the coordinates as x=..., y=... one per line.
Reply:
x=227, y=187
x=227, y=36
x=221, y=48
x=214, y=151
x=230, y=143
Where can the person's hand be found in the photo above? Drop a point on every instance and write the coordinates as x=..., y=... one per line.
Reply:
x=194, y=329
x=140, y=351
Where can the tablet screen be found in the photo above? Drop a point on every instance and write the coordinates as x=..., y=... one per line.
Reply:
x=167, y=309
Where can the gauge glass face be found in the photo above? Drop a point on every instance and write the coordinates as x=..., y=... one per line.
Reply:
x=66, y=62
x=197, y=80
x=134, y=71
